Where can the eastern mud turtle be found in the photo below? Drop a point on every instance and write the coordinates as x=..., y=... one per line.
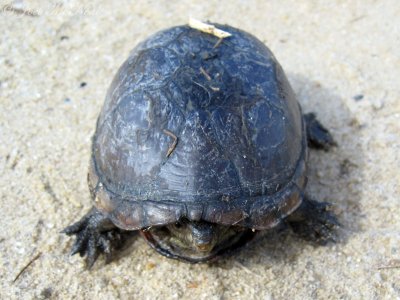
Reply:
x=200, y=144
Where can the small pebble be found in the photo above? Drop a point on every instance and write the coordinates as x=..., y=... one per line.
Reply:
x=378, y=104
x=358, y=97
x=46, y=293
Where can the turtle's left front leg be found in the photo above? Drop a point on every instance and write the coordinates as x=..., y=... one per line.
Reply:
x=314, y=221
x=318, y=136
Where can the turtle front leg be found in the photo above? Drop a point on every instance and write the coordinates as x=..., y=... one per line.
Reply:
x=317, y=135
x=314, y=221
x=95, y=234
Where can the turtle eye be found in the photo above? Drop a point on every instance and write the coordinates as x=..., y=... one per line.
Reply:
x=178, y=225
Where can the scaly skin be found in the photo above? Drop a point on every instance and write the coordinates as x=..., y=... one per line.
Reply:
x=96, y=234
x=313, y=221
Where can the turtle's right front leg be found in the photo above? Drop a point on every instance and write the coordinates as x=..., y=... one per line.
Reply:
x=95, y=234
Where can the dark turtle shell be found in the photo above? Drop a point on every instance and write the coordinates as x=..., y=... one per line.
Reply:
x=202, y=129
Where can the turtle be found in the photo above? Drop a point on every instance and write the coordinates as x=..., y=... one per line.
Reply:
x=199, y=146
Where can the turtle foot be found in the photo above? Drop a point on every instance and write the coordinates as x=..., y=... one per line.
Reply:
x=96, y=234
x=314, y=221
x=318, y=136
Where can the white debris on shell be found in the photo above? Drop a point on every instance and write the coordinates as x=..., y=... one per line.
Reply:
x=208, y=28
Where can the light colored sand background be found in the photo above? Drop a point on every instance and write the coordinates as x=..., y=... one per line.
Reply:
x=331, y=52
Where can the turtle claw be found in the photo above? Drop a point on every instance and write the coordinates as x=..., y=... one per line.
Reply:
x=315, y=221
x=76, y=227
x=79, y=245
x=95, y=234
x=92, y=252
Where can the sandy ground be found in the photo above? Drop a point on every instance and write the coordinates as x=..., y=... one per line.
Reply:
x=332, y=53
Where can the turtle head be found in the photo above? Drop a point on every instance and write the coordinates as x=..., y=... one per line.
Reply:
x=194, y=241
x=201, y=236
